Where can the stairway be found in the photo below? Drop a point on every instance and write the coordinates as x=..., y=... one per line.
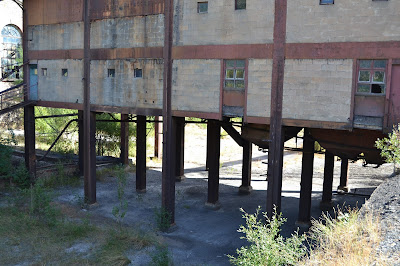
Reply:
x=13, y=98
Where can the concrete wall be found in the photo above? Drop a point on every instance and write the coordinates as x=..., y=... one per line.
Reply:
x=318, y=90
x=55, y=87
x=345, y=21
x=139, y=31
x=259, y=87
x=196, y=85
x=56, y=36
x=124, y=90
x=223, y=24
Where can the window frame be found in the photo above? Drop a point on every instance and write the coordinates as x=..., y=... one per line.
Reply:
x=326, y=3
x=198, y=7
x=111, y=72
x=64, y=72
x=136, y=71
x=372, y=70
x=236, y=5
x=234, y=78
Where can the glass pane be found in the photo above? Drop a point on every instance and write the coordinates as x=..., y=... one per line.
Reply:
x=202, y=7
x=363, y=88
x=240, y=4
x=365, y=63
x=239, y=84
x=229, y=84
x=379, y=63
x=229, y=74
x=326, y=2
x=378, y=88
x=230, y=63
x=239, y=73
x=364, y=76
x=240, y=63
x=379, y=76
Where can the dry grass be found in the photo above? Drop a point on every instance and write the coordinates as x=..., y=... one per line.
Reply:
x=350, y=239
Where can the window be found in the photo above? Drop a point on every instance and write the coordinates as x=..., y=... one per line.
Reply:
x=44, y=72
x=111, y=73
x=64, y=72
x=326, y=2
x=240, y=4
x=138, y=73
x=234, y=74
x=371, y=77
x=11, y=52
x=202, y=7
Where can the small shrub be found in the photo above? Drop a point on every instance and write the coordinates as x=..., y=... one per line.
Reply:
x=119, y=211
x=6, y=167
x=267, y=247
x=21, y=177
x=161, y=257
x=163, y=219
x=40, y=204
x=390, y=146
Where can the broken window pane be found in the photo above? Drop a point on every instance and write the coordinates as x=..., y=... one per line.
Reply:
x=378, y=88
x=138, y=73
x=44, y=72
x=111, y=73
x=202, y=7
x=363, y=88
x=365, y=63
x=364, y=76
x=380, y=64
x=379, y=76
x=64, y=72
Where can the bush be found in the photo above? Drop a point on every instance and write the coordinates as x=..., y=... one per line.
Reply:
x=390, y=147
x=267, y=246
x=5, y=162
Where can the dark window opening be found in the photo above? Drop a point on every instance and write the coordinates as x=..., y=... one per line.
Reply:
x=64, y=72
x=138, y=73
x=240, y=4
x=44, y=72
x=111, y=73
x=326, y=2
x=202, y=7
x=371, y=77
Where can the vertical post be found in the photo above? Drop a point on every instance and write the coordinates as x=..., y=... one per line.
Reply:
x=344, y=171
x=306, y=179
x=29, y=131
x=213, y=172
x=124, y=139
x=180, y=148
x=208, y=149
x=157, y=137
x=328, y=179
x=275, y=151
x=168, y=171
x=81, y=141
x=246, y=188
x=141, y=154
x=89, y=118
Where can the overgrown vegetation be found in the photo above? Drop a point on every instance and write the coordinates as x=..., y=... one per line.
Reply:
x=119, y=211
x=163, y=219
x=390, y=146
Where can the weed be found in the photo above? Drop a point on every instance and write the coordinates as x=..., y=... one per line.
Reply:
x=21, y=177
x=40, y=204
x=5, y=162
x=267, y=247
x=161, y=256
x=163, y=219
x=390, y=147
x=119, y=211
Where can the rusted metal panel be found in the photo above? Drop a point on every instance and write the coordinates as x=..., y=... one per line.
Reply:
x=56, y=54
x=123, y=53
x=340, y=50
x=53, y=11
x=196, y=114
x=102, y=9
x=350, y=144
x=233, y=98
x=232, y=51
x=394, y=113
x=369, y=105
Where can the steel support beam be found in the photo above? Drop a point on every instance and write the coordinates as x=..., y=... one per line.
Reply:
x=141, y=154
x=168, y=170
x=246, y=188
x=344, y=173
x=306, y=179
x=90, y=160
x=29, y=131
x=157, y=137
x=328, y=180
x=275, y=151
x=81, y=141
x=208, y=148
x=124, y=139
x=213, y=162
x=180, y=148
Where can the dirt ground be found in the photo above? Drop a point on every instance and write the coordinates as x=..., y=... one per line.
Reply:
x=203, y=236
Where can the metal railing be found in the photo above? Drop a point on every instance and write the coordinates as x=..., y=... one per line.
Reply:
x=12, y=97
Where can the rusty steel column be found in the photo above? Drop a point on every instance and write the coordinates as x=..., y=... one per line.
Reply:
x=344, y=172
x=29, y=111
x=81, y=141
x=208, y=147
x=168, y=170
x=213, y=162
x=275, y=151
x=124, y=139
x=89, y=118
x=328, y=180
x=141, y=154
x=157, y=137
x=306, y=179
x=246, y=188
x=180, y=148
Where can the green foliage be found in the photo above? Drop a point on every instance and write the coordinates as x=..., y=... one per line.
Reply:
x=390, y=146
x=119, y=211
x=5, y=162
x=41, y=204
x=163, y=219
x=161, y=257
x=21, y=177
x=267, y=246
